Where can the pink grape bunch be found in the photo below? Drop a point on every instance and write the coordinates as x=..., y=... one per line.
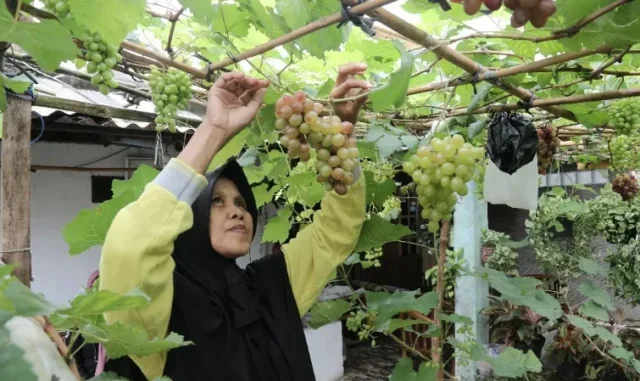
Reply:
x=303, y=128
x=535, y=11
x=441, y=171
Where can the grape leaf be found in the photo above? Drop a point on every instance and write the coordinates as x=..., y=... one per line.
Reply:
x=300, y=13
x=265, y=19
x=142, y=176
x=579, y=322
x=591, y=267
x=263, y=194
x=13, y=365
x=386, y=141
x=588, y=114
x=603, y=334
x=594, y=310
x=232, y=148
x=47, y=41
x=89, y=227
x=230, y=19
x=377, y=193
x=597, y=294
x=254, y=174
x=513, y=363
x=121, y=340
x=377, y=231
x=26, y=302
x=394, y=92
x=113, y=19
x=277, y=228
x=480, y=96
x=368, y=150
x=387, y=305
x=454, y=318
x=622, y=354
x=328, y=311
x=99, y=302
x=306, y=186
x=403, y=371
x=202, y=10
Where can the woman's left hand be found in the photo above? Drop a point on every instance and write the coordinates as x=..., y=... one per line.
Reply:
x=347, y=87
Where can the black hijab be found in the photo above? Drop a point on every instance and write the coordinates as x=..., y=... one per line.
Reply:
x=244, y=323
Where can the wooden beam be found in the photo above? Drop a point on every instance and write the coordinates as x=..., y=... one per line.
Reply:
x=15, y=194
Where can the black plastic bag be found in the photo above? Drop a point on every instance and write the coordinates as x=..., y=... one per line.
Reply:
x=512, y=142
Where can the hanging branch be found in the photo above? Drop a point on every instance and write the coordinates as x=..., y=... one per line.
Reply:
x=174, y=21
x=617, y=58
x=453, y=56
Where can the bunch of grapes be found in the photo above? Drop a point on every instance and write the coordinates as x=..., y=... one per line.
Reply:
x=100, y=55
x=60, y=8
x=302, y=128
x=441, y=171
x=536, y=11
x=624, y=152
x=170, y=92
x=625, y=116
x=626, y=185
x=548, y=142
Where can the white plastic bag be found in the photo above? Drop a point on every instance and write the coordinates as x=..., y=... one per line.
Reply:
x=519, y=190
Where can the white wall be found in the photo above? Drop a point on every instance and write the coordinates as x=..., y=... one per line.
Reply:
x=56, y=198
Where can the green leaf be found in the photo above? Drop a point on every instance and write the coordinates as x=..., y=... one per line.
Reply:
x=202, y=10
x=142, y=176
x=594, y=311
x=597, y=294
x=603, y=334
x=480, y=96
x=113, y=19
x=47, y=40
x=232, y=148
x=591, y=267
x=328, y=311
x=121, y=340
x=368, y=150
x=277, y=228
x=456, y=319
x=377, y=231
x=386, y=141
x=13, y=365
x=394, y=92
x=403, y=370
x=377, y=193
x=513, y=363
x=263, y=195
x=306, y=186
x=89, y=227
x=108, y=376
x=230, y=19
x=324, y=91
x=476, y=127
x=26, y=302
x=426, y=373
x=300, y=13
x=16, y=84
x=579, y=322
x=5, y=270
x=387, y=305
x=99, y=302
x=589, y=114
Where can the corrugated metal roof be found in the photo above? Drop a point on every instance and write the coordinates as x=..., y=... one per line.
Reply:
x=77, y=89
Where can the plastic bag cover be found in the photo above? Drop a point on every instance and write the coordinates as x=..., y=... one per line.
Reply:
x=512, y=141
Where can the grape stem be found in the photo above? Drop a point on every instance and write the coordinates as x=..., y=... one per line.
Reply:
x=18, y=8
x=617, y=58
x=174, y=20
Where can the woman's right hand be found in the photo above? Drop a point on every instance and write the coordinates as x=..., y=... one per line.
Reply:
x=233, y=101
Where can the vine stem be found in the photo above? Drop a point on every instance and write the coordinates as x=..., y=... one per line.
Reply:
x=436, y=342
x=18, y=8
x=174, y=20
x=617, y=58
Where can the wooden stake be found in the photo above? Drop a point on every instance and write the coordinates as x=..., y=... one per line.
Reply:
x=15, y=194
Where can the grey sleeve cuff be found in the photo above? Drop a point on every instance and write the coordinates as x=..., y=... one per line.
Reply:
x=181, y=180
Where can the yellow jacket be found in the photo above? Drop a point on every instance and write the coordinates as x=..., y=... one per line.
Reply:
x=138, y=246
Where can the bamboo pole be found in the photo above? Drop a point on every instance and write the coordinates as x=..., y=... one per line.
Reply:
x=441, y=49
x=58, y=168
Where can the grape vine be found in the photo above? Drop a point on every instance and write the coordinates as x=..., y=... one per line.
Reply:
x=303, y=127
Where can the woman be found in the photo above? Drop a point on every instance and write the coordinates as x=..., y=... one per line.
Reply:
x=179, y=241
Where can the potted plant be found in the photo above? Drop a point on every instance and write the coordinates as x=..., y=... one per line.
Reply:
x=497, y=252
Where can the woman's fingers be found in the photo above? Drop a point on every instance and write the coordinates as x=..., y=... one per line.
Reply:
x=345, y=72
x=341, y=90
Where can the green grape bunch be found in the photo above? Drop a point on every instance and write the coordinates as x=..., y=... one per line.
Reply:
x=624, y=152
x=624, y=116
x=60, y=8
x=102, y=57
x=170, y=92
x=441, y=171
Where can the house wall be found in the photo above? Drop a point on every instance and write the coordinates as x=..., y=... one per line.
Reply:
x=57, y=197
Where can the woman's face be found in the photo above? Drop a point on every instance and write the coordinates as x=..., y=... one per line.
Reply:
x=230, y=224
